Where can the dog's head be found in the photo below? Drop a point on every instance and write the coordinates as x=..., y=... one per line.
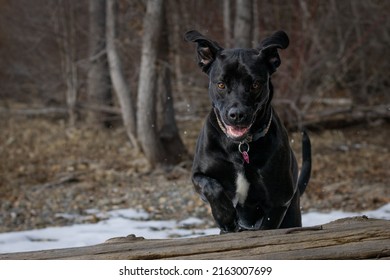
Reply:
x=239, y=79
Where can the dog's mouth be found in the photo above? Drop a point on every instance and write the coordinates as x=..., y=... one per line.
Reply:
x=236, y=132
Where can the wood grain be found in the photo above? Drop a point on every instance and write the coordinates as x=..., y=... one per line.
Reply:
x=351, y=238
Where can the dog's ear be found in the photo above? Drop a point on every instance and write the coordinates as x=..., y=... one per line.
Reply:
x=207, y=49
x=269, y=48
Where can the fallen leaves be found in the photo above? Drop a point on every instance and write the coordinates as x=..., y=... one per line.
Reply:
x=47, y=169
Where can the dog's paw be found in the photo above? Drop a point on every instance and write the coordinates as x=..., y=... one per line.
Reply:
x=229, y=228
x=244, y=226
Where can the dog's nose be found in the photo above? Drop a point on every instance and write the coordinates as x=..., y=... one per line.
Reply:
x=236, y=115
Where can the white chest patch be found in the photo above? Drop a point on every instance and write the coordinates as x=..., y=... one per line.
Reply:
x=242, y=189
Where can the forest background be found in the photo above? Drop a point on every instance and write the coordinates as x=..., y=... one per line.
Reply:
x=101, y=101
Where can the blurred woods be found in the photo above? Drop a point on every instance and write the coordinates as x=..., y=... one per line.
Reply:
x=104, y=61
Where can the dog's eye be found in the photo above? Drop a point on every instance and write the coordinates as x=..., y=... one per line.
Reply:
x=221, y=85
x=256, y=85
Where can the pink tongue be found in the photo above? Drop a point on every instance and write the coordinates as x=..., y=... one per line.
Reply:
x=236, y=131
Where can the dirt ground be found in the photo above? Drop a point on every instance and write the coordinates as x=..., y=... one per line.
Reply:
x=50, y=173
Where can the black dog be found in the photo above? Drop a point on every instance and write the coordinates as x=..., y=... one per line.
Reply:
x=244, y=166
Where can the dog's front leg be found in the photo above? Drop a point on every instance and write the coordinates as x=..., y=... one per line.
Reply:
x=273, y=218
x=222, y=207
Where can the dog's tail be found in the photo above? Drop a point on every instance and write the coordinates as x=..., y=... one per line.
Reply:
x=304, y=177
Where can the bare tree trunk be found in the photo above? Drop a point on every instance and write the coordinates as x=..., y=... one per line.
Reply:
x=359, y=92
x=174, y=6
x=243, y=24
x=256, y=25
x=146, y=106
x=118, y=80
x=98, y=80
x=227, y=23
x=174, y=148
x=65, y=29
x=158, y=134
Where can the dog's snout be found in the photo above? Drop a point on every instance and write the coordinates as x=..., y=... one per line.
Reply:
x=235, y=115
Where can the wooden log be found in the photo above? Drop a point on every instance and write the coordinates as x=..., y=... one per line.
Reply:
x=35, y=112
x=351, y=238
x=345, y=117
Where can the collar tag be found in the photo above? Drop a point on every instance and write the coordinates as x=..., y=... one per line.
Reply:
x=243, y=148
x=245, y=156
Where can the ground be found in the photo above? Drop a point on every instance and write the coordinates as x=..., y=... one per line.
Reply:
x=50, y=173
